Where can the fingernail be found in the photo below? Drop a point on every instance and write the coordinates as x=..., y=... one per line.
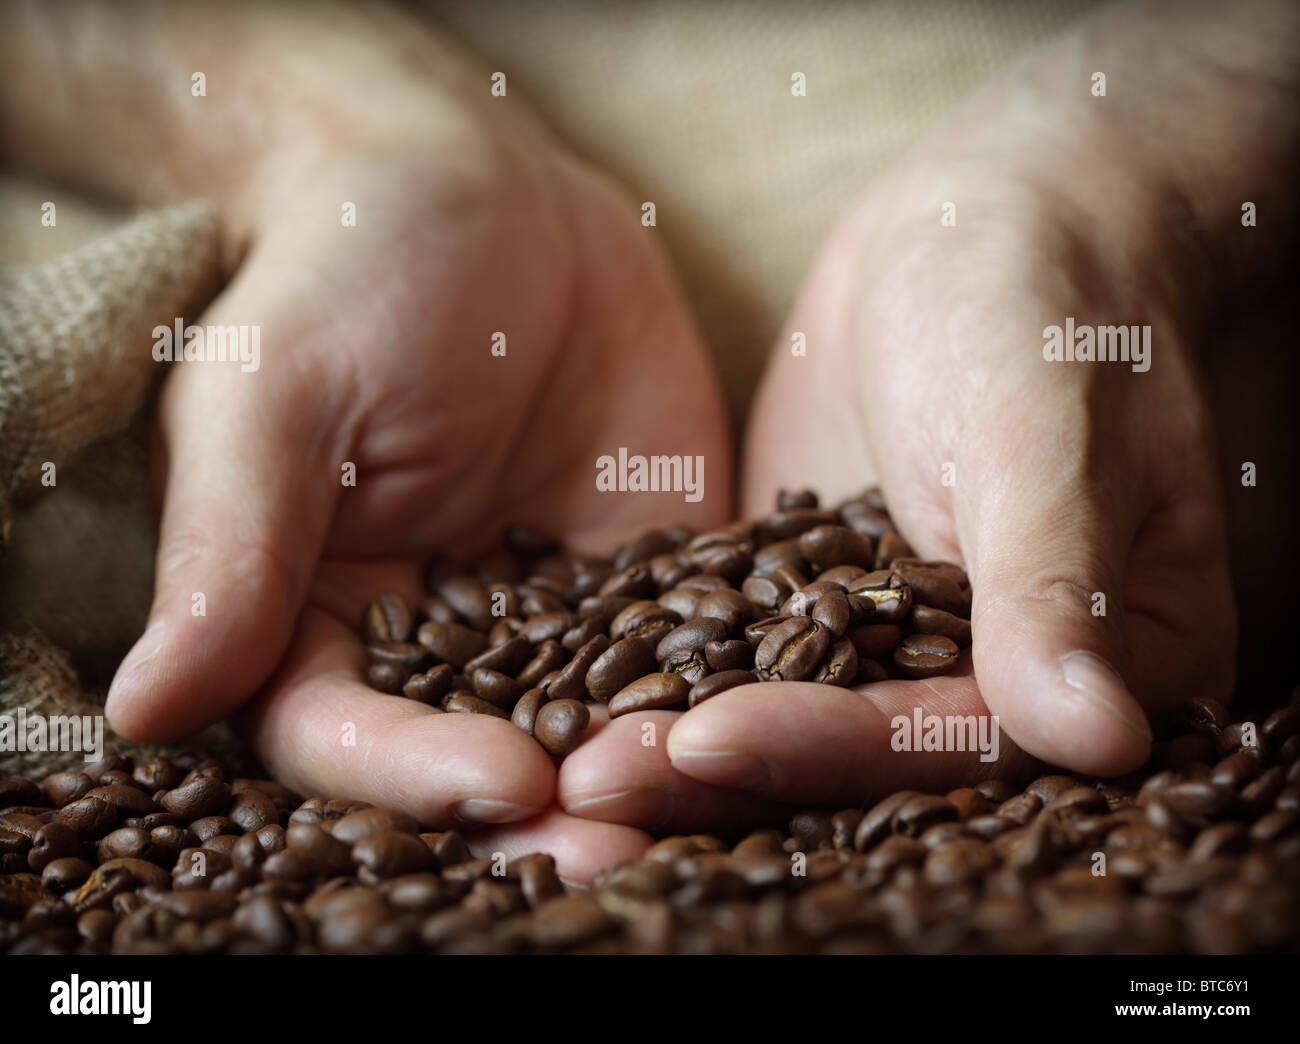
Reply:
x=644, y=807
x=725, y=768
x=1099, y=682
x=488, y=810
x=147, y=646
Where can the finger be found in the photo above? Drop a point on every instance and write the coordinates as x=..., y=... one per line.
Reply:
x=320, y=730
x=809, y=743
x=1044, y=553
x=582, y=848
x=622, y=774
x=252, y=480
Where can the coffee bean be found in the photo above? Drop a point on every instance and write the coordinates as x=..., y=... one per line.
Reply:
x=709, y=687
x=787, y=500
x=926, y=655
x=892, y=597
x=508, y=658
x=826, y=546
x=791, y=650
x=650, y=692
x=495, y=688
x=841, y=666
x=391, y=854
x=729, y=655
x=571, y=684
x=464, y=703
x=559, y=725
x=386, y=619
x=548, y=657
x=451, y=642
x=430, y=687
x=928, y=620
x=63, y=788
x=524, y=715
x=197, y=799
x=645, y=619
x=90, y=817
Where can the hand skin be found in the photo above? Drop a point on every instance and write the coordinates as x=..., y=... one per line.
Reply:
x=375, y=350
x=925, y=349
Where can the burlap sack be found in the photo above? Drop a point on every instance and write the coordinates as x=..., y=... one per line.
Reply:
x=75, y=372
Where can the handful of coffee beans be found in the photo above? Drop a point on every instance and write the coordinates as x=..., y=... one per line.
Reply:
x=671, y=619
x=1199, y=853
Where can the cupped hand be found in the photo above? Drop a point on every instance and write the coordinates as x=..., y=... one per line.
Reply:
x=377, y=358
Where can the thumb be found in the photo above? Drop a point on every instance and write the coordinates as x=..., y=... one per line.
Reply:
x=1047, y=563
x=247, y=502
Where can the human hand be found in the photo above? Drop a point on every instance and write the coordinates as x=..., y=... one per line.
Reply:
x=1055, y=484
x=376, y=351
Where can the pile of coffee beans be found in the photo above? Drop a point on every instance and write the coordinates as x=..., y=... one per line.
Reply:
x=1200, y=853
x=532, y=635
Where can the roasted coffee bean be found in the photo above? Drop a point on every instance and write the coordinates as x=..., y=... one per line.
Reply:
x=197, y=799
x=929, y=620
x=792, y=650
x=827, y=546
x=63, y=788
x=507, y=658
x=495, y=688
x=571, y=684
x=633, y=582
x=716, y=683
x=730, y=655
x=1197, y=798
x=52, y=841
x=757, y=631
x=875, y=641
x=524, y=715
x=386, y=619
x=620, y=665
x=875, y=825
x=892, y=597
x=464, y=703
x=548, y=657
x=410, y=657
x=90, y=817
x=776, y=555
x=841, y=665
x=788, y=500
x=918, y=814
x=431, y=686
x=941, y=585
x=730, y=607
x=391, y=854
x=687, y=642
x=559, y=725
x=470, y=598
x=387, y=677
x=646, y=619
x=765, y=593
x=832, y=612
x=926, y=655
x=651, y=692
x=679, y=600
x=451, y=642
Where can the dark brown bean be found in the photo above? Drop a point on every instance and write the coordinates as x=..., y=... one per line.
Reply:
x=651, y=692
x=560, y=724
